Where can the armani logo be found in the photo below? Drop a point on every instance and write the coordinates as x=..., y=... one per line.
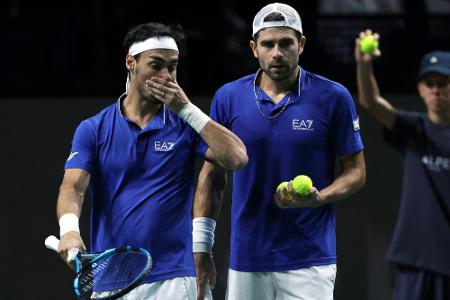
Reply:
x=71, y=155
x=298, y=124
x=162, y=146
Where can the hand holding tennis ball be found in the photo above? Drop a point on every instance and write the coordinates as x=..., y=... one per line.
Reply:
x=297, y=193
x=284, y=184
x=368, y=44
x=302, y=185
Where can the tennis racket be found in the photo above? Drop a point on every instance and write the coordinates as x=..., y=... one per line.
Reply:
x=109, y=274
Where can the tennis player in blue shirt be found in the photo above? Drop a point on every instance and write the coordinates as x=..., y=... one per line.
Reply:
x=137, y=157
x=292, y=122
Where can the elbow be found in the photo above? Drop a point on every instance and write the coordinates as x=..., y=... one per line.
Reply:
x=359, y=171
x=365, y=105
x=364, y=102
x=231, y=159
x=239, y=161
x=371, y=102
x=236, y=160
x=361, y=180
x=357, y=179
x=243, y=161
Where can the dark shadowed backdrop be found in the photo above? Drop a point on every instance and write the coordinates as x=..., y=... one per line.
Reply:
x=62, y=62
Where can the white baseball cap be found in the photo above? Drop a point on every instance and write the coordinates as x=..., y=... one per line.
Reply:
x=291, y=18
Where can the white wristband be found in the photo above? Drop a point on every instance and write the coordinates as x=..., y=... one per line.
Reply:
x=194, y=116
x=68, y=222
x=203, y=234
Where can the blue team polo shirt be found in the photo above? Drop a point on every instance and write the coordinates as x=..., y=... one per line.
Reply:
x=319, y=122
x=142, y=183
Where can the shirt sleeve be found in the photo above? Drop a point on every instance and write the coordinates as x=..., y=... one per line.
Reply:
x=346, y=130
x=403, y=126
x=201, y=146
x=218, y=109
x=82, y=154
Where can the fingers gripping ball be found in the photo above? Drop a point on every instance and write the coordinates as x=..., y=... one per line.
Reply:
x=286, y=193
x=368, y=44
x=302, y=184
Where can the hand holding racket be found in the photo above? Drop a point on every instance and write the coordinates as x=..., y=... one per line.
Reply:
x=68, y=247
x=109, y=274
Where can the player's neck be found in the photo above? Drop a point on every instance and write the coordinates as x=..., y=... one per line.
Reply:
x=278, y=89
x=139, y=110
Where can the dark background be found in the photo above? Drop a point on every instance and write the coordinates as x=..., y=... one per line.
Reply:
x=62, y=62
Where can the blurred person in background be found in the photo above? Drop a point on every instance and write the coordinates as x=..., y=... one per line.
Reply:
x=420, y=245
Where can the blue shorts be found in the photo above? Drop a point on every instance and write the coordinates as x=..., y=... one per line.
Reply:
x=412, y=283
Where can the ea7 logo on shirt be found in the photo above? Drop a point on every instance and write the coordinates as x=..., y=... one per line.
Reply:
x=161, y=146
x=71, y=155
x=302, y=124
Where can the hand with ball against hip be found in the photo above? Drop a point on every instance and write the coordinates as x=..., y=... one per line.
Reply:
x=296, y=193
x=366, y=46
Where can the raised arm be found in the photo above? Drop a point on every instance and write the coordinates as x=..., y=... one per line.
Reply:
x=368, y=92
x=225, y=148
x=207, y=203
x=68, y=210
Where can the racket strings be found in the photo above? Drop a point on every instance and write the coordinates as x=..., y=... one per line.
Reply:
x=109, y=275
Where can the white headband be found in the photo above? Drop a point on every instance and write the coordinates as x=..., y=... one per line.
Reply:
x=156, y=42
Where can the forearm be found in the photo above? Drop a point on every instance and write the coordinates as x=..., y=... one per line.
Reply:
x=69, y=201
x=225, y=147
x=342, y=187
x=210, y=191
x=369, y=95
x=207, y=203
x=368, y=90
x=349, y=181
x=68, y=210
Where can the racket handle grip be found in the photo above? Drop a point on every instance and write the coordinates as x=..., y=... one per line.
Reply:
x=72, y=254
x=52, y=243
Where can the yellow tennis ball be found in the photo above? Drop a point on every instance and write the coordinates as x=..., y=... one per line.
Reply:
x=302, y=184
x=286, y=192
x=368, y=44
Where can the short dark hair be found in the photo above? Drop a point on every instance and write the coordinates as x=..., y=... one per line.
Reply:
x=275, y=16
x=145, y=31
